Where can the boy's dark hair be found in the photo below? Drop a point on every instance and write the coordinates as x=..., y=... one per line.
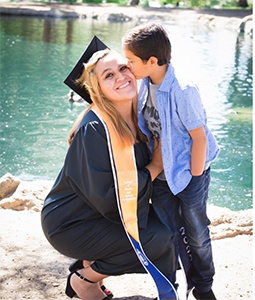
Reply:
x=148, y=40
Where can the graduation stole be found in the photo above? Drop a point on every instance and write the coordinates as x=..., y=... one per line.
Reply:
x=126, y=186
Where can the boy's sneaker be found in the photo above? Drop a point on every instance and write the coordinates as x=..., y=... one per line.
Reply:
x=204, y=296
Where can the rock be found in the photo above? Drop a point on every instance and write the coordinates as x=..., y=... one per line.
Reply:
x=247, y=25
x=8, y=185
x=118, y=18
x=28, y=195
x=228, y=223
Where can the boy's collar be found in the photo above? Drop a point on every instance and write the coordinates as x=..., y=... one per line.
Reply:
x=168, y=79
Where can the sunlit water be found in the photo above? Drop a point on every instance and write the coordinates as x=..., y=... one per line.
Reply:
x=35, y=115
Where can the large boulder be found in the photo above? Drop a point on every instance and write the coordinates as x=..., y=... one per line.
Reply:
x=8, y=185
x=21, y=195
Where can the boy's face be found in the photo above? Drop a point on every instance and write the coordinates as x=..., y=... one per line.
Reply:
x=139, y=68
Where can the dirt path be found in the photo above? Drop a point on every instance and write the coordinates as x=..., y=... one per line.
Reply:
x=32, y=269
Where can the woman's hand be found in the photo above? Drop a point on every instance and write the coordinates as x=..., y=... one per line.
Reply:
x=157, y=155
x=156, y=165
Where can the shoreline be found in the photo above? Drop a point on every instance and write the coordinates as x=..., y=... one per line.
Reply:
x=233, y=19
x=32, y=183
x=41, y=7
x=21, y=195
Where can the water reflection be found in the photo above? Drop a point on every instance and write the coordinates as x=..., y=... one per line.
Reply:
x=240, y=86
x=37, y=54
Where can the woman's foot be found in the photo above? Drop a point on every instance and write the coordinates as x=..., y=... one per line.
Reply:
x=107, y=292
x=80, y=264
x=86, y=289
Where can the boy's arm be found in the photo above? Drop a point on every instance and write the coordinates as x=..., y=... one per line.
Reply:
x=198, y=151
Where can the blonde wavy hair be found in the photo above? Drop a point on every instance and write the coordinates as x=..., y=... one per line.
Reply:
x=89, y=81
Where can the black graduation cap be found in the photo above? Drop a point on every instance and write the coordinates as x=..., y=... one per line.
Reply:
x=95, y=45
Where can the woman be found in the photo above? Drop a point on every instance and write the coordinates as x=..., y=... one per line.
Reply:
x=80, y=217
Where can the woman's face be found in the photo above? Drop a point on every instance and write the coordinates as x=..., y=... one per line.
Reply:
x=116, y=81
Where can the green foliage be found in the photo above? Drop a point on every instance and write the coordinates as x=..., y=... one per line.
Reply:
x=228, y=4
x=92, y=1
x=120, y=2
x=144, y=3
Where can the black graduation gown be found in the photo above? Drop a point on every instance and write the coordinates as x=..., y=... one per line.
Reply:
x=80, y=216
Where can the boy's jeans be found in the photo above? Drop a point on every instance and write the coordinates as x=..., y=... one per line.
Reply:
x=188, y=209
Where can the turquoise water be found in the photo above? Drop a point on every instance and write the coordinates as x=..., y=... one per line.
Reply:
x=35, y=115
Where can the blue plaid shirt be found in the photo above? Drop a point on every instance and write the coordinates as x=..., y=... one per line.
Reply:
x=180, y=110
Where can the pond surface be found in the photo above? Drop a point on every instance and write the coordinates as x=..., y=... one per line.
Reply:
x=35, y=116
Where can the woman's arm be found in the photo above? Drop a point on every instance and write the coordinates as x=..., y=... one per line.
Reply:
x=89, y=172
x=155, y=167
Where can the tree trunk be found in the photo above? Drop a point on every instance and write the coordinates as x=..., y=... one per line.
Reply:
x=242, y=3
x=136, y=2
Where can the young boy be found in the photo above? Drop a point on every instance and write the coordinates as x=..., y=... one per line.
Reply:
x=171, y=109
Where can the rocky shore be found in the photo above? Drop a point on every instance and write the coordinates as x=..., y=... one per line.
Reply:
x=29, y=195
x=32, y=269
x=238, y=20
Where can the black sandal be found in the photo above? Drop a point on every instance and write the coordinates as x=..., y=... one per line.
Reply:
x=77, y=265
x=69, y=290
